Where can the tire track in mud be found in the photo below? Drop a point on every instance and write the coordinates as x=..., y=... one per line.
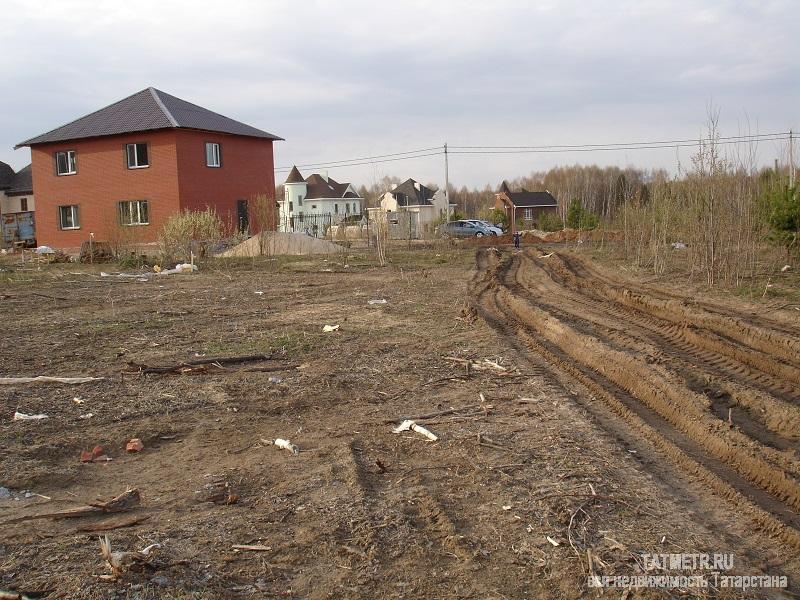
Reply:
x=774, y=340
x=649, y=399
x=704, y=373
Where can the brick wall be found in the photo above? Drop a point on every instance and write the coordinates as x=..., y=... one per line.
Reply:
x=247, y=170
x=176, y=179
x=102, y=180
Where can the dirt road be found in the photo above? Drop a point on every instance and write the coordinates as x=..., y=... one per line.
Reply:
x=557, y=473
x=715, y=389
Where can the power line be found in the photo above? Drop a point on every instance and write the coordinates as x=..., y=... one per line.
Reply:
x=364, y=158
x=545, y=149
x=613, y=148
x=668, y=143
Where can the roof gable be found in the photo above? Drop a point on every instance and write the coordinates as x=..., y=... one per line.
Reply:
x=146, y=110
x=21, y=183
x=407, y=194
x=526, y=198
x=6, y=175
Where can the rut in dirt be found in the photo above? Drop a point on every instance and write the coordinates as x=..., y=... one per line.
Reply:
x=671, y=369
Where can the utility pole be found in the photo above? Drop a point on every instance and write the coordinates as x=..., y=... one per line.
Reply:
x=446, y=184
x=791, y=159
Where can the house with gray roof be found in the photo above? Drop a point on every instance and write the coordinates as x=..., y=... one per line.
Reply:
x=412, y=209
x=116, y=174
x=523, y=208
x=17, y=207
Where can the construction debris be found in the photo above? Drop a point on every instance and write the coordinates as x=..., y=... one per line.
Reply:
x=190, y=366
x=127, y=500
x=46, y=379
x=374, y=302
x=135, y=445
x=97, y=454
x=408, y=424
x=329, y=328
x=18, y=416
x=120, y=562
x=286, y=445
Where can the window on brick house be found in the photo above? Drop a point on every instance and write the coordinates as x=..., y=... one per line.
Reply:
x=134, y=212
x=68, y=217
x=529, y=214
x=137, y=155
x=213, y=154
x=66, y=163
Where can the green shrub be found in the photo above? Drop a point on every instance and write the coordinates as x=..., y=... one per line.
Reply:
x=580, y=218
x=550, y=221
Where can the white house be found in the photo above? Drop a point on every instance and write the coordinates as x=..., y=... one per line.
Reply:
x=413, y=208
x=16, y=207
x=315, y=203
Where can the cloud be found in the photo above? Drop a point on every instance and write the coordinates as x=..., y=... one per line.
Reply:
x=353, y=78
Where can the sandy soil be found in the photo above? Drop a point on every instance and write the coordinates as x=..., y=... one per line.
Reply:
x=566, y=444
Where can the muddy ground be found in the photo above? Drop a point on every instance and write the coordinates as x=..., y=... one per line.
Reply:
x=569, y=466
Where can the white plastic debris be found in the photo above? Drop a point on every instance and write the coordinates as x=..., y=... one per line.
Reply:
x=18, y=416
x=408, y=424
x=378, y=301
x=181, y=268
x=786, y=268
x=86, y=416
x=329, y=328
x=678, y=245
x=286, y=445
x=45, y=250
x=274, y=379
x=552, y=541
x=259, y=293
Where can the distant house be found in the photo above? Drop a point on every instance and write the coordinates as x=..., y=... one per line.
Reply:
x=413, y=208
x=17, y=207
x=121, y=171
x=524, y=206
x=315, y=203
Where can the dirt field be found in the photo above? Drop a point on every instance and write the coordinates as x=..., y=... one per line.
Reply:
x=602, y=433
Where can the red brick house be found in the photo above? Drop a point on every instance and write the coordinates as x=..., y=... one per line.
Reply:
x=524, y=206
x=125, y=168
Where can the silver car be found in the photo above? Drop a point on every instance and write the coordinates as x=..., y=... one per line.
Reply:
x=492, y=229
x=464, y=229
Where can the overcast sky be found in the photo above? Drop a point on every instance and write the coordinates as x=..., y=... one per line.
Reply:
x=347, y=79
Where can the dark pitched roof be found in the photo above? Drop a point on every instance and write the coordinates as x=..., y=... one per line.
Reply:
x=407, y=194
x=6, y=175
x=145, y=111
x=294, y=176
x=526, y=198
x=22, y=182
x=319, y=187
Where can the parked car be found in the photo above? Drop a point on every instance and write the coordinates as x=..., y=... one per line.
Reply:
x=494, y=230
x=463, y=229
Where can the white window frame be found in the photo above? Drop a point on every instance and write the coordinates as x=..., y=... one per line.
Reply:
x=76, y=223
x=528, y=214
x=70, y=157
x=135, y=156
x=134, y=209
x=213, y=155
